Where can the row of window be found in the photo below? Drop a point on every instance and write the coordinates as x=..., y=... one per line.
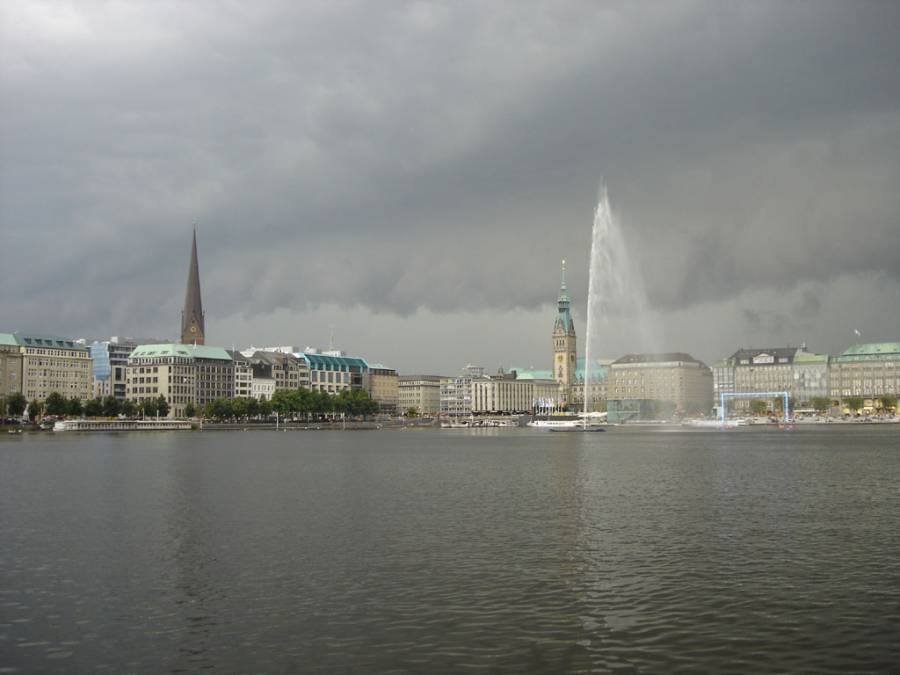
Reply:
x=57, y=353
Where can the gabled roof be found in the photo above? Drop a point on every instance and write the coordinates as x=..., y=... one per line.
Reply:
x=273, y=358
x=777, y=352
x=237, y=356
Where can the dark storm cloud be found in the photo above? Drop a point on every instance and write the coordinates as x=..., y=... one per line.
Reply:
x=441, y=157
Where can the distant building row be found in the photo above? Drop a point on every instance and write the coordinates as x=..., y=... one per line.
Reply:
x=37, y=366
x=866, y=371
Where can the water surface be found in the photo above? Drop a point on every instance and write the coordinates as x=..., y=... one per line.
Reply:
x=451, y=551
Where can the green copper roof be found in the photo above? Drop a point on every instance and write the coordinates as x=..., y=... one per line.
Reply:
x=182, y=351
x=531, y=374
x=810, y=357
x=207, y=352
x=336, y=363
x=873, y=348
x=45, y=341
x=871, y=351
x=8, y=340
x=599, y=371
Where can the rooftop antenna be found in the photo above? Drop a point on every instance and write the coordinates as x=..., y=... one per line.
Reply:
x=331, y=339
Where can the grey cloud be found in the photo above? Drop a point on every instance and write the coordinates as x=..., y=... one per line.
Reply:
x=440, y=158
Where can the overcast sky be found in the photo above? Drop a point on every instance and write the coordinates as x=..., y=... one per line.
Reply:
x=412, y=173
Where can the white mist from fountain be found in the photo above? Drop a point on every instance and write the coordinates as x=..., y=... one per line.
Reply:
x=615, y=290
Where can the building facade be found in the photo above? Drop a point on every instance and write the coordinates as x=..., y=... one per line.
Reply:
x=810, y=377
x=501, y=394
x=214, y=373
x=182, y=374
x=456, y=392
x=646, y=386
x=52, y=364
x=262, y=388
x=332, y=373
x=867, y=371
x=162, y=370
x=243, y=375
x=109, y=362
x=10, y=367
x=383, y=387
x=289, y=372
x=723, y=377
x=421, y=393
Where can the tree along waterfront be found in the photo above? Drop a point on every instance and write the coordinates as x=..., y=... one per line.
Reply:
x=294, y=402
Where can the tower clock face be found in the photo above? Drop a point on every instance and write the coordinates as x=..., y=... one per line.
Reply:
x=193, y=329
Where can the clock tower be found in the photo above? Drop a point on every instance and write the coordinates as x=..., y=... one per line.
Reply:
x=193, y=330
x=564, y=359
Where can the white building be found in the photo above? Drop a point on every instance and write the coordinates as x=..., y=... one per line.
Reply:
x=421, y=393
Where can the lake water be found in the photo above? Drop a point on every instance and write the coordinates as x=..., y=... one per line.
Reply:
x=505, y=551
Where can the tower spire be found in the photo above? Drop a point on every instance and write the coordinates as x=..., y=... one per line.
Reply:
x=193, y=329
x=563, y=285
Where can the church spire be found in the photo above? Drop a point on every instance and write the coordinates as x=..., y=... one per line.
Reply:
x=192, y=319
x=563, y=291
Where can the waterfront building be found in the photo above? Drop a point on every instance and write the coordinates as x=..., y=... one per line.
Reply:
x=544, y=392
x=183, y=374
x=766, y=369
x=421, y=393
x=109, y=361
x=214, y=373
x=644, y=386
x=193, y=320
x=597, y=384
x=262, y=388
x=333, y=372
x=288, y=371
x=49, y=364
x=801, y=373
x=456, y=392
x=599, y=374
x=749, y=370
x=564, y=343
x=502, y=393
x=383, y=387
x=867, y=371
x=243, y=375
x=723, y=378
x=10, y=367
x=810, y=376
x=162, y=370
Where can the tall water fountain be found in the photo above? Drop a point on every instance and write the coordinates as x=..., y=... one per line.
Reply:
x=615, y=290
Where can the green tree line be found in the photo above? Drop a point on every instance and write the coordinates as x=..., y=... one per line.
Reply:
x=303, y=402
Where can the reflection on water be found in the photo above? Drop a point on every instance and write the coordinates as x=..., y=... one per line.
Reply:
x=429, y=551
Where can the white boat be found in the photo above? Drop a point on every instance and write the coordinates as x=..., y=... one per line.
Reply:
x=565, y=424
x=556, y=424
x=122, y=425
